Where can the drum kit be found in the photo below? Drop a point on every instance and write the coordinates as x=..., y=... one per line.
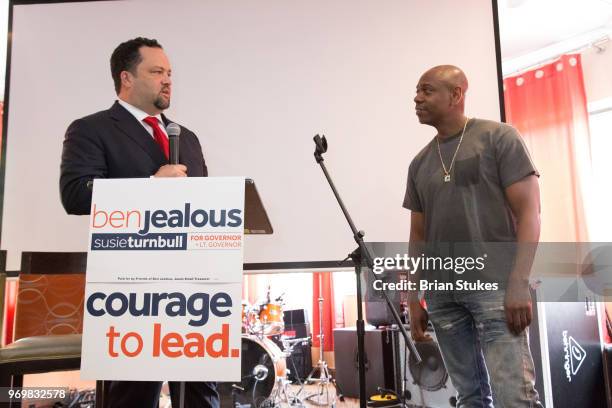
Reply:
x=264, y=382
x=263, y=319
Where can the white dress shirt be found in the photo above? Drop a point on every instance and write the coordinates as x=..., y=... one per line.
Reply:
x=140, y=115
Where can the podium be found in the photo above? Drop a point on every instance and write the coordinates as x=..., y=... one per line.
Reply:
x=256, y=221
x=164, y=279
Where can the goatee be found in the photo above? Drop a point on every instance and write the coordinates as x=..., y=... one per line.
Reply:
x=161, y=103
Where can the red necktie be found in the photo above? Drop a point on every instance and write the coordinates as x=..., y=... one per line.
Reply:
x=160, y=137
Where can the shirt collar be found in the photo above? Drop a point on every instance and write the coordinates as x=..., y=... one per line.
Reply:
x=139, y=114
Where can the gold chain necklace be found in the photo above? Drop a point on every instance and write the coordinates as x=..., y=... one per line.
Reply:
x=447, y=176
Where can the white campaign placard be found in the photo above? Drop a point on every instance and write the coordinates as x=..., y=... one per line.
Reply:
x=164, y=280
x=166, y=228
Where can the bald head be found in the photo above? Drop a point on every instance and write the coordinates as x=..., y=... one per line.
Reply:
x=450, y=75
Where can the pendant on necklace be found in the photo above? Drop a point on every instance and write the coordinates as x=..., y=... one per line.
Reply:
x=447, y=178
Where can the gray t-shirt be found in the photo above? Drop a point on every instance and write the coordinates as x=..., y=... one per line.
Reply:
x=472, y=206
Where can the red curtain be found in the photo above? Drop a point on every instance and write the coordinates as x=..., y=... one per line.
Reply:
x=548, y=106
x=322, y=283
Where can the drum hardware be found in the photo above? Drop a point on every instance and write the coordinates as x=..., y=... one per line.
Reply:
x=266, y=385
x=283, y=393
x=264, y=365
x=288, y=346
x=324, y=379
x=260, y=372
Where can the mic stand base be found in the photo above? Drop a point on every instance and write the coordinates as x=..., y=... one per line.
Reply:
x=322, y=396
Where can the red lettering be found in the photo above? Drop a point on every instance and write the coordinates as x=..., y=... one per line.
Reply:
x=127, y=218
x=196, y=347
x=223, y=337
x=192, y=344
x=172, y=340
x=156, y=336
x=95, y=217
x=112, y=334
x=124, y=340
x=116, y=216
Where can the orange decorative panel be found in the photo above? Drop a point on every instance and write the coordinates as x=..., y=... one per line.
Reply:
x=49, y=304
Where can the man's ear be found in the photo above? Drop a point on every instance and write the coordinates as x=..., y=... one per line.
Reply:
x=457, y=95
x=126, y=79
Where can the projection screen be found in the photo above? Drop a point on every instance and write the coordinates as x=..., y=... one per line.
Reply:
x=255, y=81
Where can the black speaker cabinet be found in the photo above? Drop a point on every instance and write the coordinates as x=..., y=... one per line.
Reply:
x=378, y=361
x=295, y=316
x=567, y=350
x=388, y=366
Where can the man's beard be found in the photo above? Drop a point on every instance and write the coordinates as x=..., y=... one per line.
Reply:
x=161, y=103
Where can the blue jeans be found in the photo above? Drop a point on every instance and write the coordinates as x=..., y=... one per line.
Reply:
x=487, y=364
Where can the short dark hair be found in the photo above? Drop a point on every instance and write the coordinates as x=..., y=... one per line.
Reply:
x=126, y=57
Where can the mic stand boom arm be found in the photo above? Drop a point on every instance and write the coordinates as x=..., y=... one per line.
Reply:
x=360, y=254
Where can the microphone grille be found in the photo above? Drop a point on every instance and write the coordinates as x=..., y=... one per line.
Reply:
x=173, y=129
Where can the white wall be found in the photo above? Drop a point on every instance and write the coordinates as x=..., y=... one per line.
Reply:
x=255, y=81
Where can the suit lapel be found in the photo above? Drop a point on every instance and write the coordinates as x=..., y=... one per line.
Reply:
x=128, y=125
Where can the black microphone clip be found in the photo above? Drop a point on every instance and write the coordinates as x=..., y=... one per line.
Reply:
x=321, y=147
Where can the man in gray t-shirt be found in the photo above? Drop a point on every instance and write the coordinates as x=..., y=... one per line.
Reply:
x=474, y=184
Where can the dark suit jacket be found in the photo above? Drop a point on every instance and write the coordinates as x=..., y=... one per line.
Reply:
x=112, y=144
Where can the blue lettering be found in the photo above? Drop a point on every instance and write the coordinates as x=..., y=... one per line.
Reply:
x=201, y=311
x=196, y=222
x=199, y=306
x=90, y=304
x=234, y=216
x=218, y=301
x=159, y=218
x=122, y=306
x=145, y=229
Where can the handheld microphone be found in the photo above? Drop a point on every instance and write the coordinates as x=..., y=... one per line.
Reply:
x=173, y=131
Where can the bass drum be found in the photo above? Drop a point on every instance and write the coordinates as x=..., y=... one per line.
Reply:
x=262, y=364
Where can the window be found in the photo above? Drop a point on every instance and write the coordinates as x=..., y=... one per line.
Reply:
x=599, y=198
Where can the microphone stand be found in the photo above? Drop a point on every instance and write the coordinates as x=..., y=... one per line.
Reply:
x=360, y=254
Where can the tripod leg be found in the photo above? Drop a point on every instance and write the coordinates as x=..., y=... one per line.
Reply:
x=339, y=392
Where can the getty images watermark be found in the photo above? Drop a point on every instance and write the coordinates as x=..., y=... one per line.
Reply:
x=559, y=271
x=424, y=264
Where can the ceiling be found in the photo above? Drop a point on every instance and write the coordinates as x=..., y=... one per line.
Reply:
x=530, y=25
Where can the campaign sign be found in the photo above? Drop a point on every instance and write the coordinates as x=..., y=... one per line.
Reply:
x=188, y=229
x=164, y=280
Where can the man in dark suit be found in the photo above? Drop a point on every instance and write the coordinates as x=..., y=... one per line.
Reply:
x=128, y=141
